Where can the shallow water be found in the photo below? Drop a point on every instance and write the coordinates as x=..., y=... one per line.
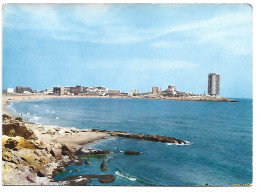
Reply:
x=219, y=133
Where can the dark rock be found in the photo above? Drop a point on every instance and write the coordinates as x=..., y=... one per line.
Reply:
x=19, y=119
x=32, y=178
x=67, y=164
x=87, y=162
x=42, y=172
x=61, y=169
x=80, y=180
x=131, y=153
x=93, y=151
x=103, y=166
x=156, y=138
x=4, y=116
x=106, y=178
x=78, y=161
x=11, y=144
x=70, y=148
x=17, y=129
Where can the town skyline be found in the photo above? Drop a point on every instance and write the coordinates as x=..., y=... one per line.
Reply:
x=128, y=46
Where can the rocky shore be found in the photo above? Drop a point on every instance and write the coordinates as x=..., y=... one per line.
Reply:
x=33, y=154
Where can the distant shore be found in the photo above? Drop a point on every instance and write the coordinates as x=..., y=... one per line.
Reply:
x=7, y=98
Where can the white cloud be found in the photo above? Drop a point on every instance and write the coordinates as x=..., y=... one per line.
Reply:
x=98, y=23
x=160, y=65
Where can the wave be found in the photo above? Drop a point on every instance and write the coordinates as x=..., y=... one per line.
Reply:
x=187, y=143
x=36, y=105
x=11, y=108
x=126, y=176
x=53, y=111
x=57, y=118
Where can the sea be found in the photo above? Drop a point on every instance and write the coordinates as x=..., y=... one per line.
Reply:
x=219, y=136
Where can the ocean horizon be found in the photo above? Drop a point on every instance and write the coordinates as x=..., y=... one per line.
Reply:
x=219, y=136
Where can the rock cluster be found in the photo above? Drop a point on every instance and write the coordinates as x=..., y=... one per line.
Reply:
x=84, y=179
x=30, y=161
x=156, y=138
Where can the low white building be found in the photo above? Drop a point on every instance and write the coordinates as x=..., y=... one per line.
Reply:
x=10, y=90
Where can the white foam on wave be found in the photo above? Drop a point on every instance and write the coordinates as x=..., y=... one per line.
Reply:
x=182, y=144
x=53, y=111
x=28, y=113
x=46, y=110
x=35, y=119
x=126, y=176
x=36, y=105
x=11, y=108
x=57, y=118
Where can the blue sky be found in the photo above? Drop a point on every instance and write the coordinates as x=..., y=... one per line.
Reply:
x=125, y=46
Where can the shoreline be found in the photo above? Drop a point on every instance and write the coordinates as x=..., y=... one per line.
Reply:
x=32, y=154
x=7, y=98
x=36, y=160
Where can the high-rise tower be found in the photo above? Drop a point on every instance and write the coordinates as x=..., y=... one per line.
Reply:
x=213, y=84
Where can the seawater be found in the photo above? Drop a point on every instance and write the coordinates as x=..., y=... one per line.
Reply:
x=219, y=136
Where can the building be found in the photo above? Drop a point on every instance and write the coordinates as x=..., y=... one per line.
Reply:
x=134, y=92
x=22, y=89
x=213, y=84
x=58, y=90
x=74, y=90
x=48, y=92
x=156, y=90
x=171, y=90
x=113, y=92
x=10, y=90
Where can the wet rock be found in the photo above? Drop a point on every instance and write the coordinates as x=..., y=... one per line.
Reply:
x=77, y=180
x=149, y=137
x=103, y=166
x=67, y=164
x=93, y=151
x=42, y=172
x=106, y=178
x=61, y=169
x=32, y=178
x=132, y=153
x=78, y=161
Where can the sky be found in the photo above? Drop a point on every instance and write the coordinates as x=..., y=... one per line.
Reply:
x=127, y=46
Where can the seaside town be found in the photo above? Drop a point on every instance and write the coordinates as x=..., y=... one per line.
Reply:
x=156, y=92
x=34, y=154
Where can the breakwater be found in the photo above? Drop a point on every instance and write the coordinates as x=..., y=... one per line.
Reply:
x=156, y=138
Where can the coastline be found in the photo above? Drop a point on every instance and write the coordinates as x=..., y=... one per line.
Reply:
x=33, y=154
x=35, y=160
